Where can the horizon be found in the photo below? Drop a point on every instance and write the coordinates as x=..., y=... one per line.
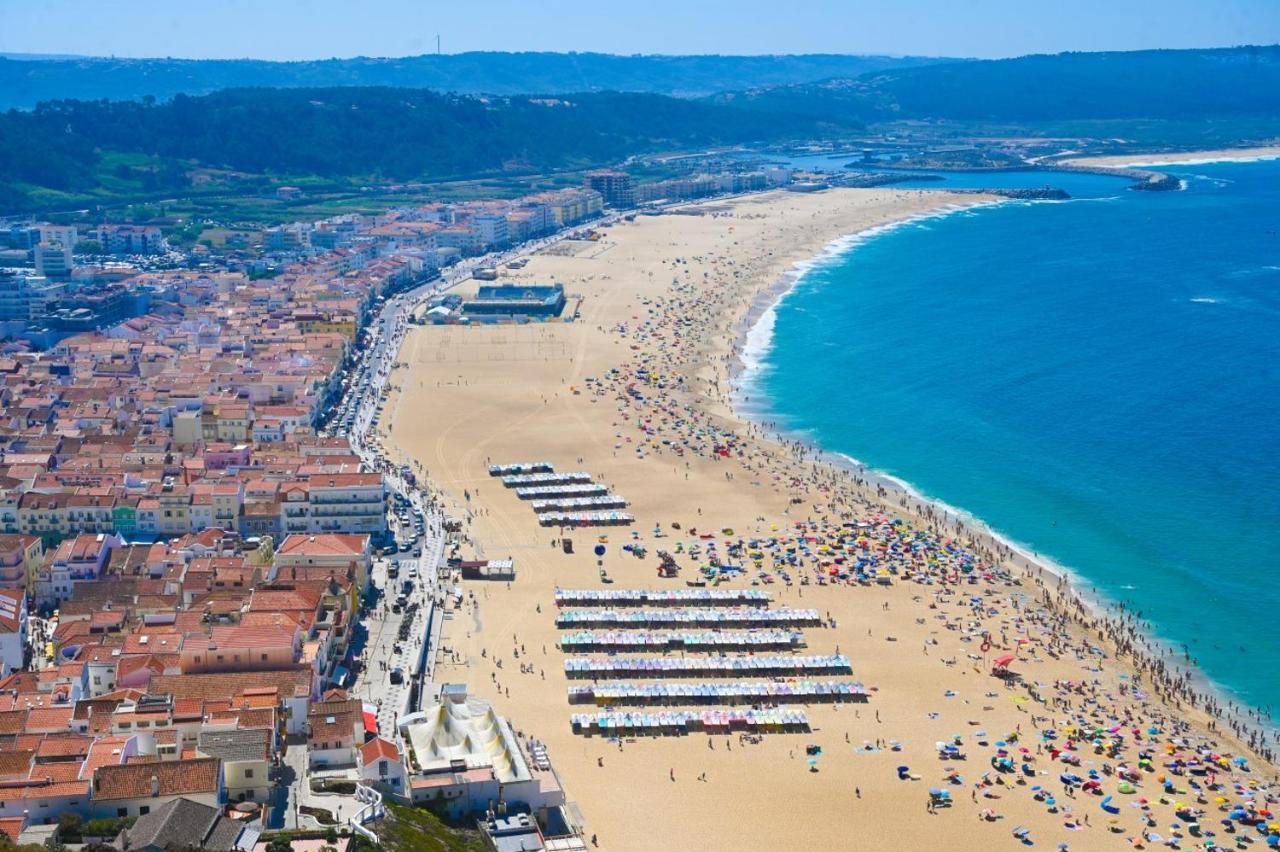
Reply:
x=292, y=30
x=22, y=56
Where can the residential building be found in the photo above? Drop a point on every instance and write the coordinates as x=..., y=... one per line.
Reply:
x=335, y=731
x=53, y=260
x=614, y=186
x=382, y=766
x=246, y=761
x=184, y=823
x=13, y=630
x=20, y=558
x=136, y=789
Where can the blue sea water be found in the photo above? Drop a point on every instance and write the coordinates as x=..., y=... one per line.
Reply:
x=1096, y=379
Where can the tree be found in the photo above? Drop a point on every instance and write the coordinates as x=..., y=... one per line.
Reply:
x=266, y=551
x=69, y=825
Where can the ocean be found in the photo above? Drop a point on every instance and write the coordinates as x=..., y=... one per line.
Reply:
x=1097, y=379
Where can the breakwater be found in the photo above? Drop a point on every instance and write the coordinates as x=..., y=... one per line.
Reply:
x=1144, y=180
x=1042, y=193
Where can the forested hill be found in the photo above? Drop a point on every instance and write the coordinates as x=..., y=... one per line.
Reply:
x=1158, y=84
x=377, y=133
x=26, y=82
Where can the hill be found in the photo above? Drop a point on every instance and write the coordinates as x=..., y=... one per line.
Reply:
x=1150, y=84
x=351, y=134
x=25, y=82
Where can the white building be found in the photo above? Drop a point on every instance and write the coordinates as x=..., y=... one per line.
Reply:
x=491, y=229
x=53, y=260
x=13, y=630
x=132, y=239
x=337, y=503
x=465, y=759
x=381, y=766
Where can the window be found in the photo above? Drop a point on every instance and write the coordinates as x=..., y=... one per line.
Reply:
x=143, y=810
x=382, y=767
x=264, y=658
x=122, y=812
x=248, y=773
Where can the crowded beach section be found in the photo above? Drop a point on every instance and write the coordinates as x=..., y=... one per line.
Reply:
x=980, y=701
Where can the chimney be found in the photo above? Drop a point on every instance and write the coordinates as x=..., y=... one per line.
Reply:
x=155, y=786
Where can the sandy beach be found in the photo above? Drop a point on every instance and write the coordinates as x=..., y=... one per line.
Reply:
x=638, y=392
x=1178, y=158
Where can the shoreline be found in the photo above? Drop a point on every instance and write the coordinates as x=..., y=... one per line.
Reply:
x=744, y=370
x=1175, y=158
x=637, y=392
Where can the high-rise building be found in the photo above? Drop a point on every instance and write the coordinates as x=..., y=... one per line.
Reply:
x=615, y=186
x=53, y=259
x=491, y=228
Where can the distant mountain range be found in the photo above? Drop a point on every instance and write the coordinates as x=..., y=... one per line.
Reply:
x=67, y=150
x=27, y=79
x=1148, y=84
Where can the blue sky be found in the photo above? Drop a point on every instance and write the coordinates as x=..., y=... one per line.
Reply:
x=313, y=29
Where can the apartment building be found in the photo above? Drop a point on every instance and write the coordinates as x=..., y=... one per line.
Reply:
x=335, y=503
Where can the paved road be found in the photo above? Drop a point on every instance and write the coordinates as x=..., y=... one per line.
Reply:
x=355, y=418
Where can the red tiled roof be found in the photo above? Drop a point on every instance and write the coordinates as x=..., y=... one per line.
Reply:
x=134, y=780
x=378, y=748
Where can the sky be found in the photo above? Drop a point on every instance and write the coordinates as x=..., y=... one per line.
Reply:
x=316, y=29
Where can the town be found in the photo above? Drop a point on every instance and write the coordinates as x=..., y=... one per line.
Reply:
x=220, y=600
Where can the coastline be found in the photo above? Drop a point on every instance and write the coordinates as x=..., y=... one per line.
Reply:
x=744, y=371
x=1183, y=158
x=667, y=302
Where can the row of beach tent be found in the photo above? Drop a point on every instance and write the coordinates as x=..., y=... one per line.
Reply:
x=523, y=480
x=648, y=640
x=682, y=722
x=585, y=519
x=520, y=467
x=693, y=616
x=717, y=666
x=661, y=597
x=553, y=492
x=572, y=504
x=802, y=691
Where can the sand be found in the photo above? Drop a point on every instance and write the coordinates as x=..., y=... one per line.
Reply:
x=467, y=397
x=1175, y=158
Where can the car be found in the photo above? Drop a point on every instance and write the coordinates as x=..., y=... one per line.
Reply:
x=394, y=570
